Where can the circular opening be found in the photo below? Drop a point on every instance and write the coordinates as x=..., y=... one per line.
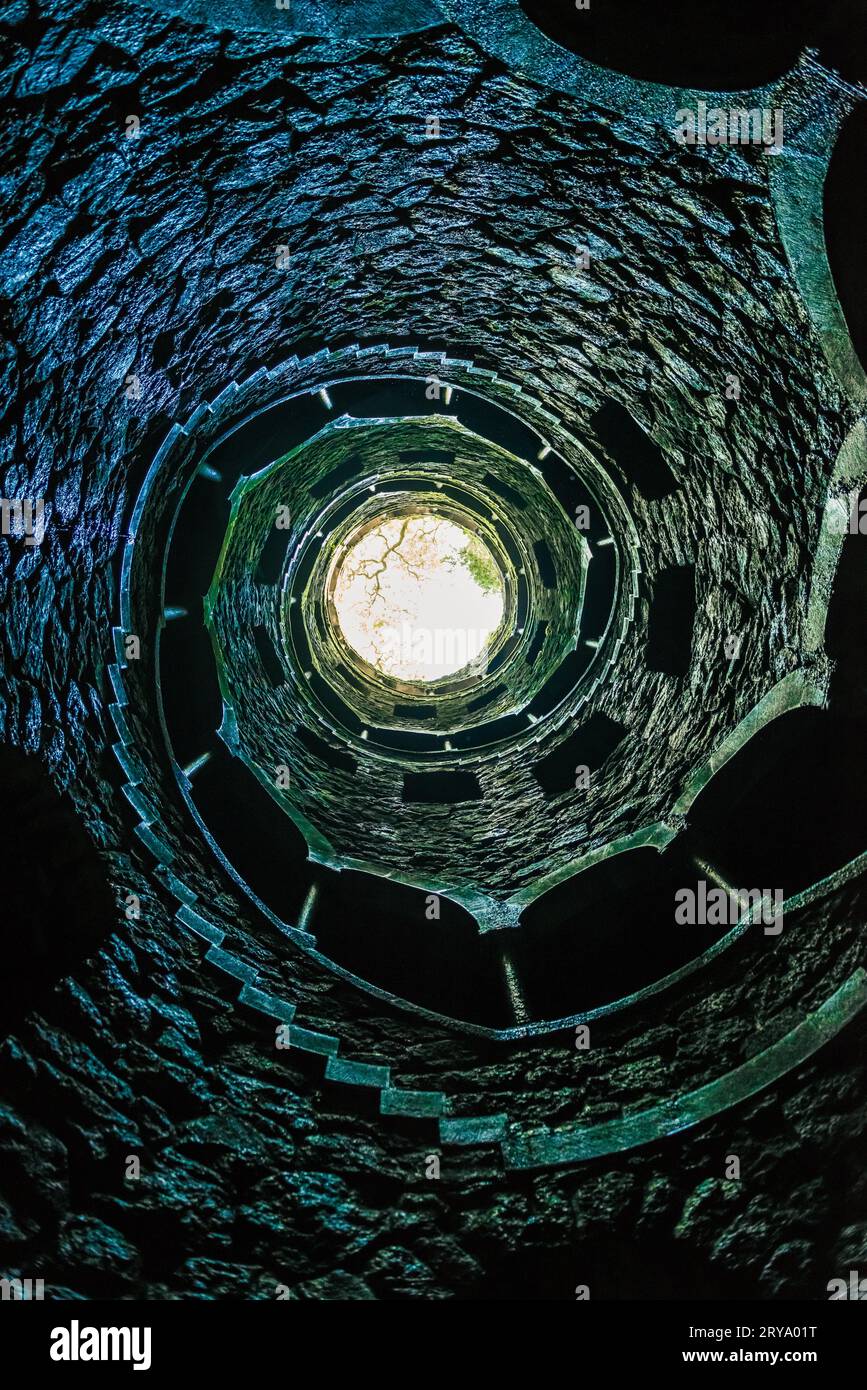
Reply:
x=417, y=596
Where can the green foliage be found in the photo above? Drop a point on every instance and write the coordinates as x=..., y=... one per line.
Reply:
x=482, y=568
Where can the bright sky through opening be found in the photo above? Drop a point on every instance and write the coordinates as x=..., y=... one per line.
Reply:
x=418, y=597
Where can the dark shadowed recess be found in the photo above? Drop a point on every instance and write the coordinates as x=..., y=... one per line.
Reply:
x=333, y=481
x=560, y=682
x=415, y=711
x=672, y=618
x=381, y=398
x=381, y=931
x=791, y=806
x=599, y=588
x=738, y=45
x=611, y=1267
x=327, y=753
x=256, y=836
x=588, y=747
x=639, y=458
x=605, y=933
x=267, y=653
x=847, y=617
x=435, y=787
x=598, y=937
x=272, y=556
x=190, y=693
x=533, y=651
x=58, y=908
x=846, y=223
x=545, y=561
